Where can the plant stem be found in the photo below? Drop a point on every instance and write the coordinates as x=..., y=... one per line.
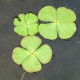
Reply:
x=23, y=75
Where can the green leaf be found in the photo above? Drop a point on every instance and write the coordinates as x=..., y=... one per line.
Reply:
x=19, y=54
x=48, y=31
x=31, y=64
x=31, y=18
x=33, y=29
x=47, y=13
x=26, y=24
x=22, y=17
x=31, y=43
x=65, y=15
x=66, y=30
x=21, y=30
x=17, y=22
x=44, y=54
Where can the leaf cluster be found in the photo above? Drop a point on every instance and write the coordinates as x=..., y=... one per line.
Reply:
x=60, y=23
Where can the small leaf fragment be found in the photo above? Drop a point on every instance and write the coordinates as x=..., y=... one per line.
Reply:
x=31, y=64
x=31, y=43
x=19, y=54
x=48, y=31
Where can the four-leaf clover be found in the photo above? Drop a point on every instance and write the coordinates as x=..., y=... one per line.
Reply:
x=60, y=22
x=26, y=25
x=31, y=54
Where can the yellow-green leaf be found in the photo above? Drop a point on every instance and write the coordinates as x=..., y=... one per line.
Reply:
x=47, y=13
x=19, y=54
x=31, y=43
x=48, y=31
x=65, y=15
x=66, y=30
x=31, y=64
x=44, y=54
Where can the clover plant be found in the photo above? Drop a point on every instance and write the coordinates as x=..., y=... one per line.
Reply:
x=26, y=24
x=61, y=22
x=32, y=54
